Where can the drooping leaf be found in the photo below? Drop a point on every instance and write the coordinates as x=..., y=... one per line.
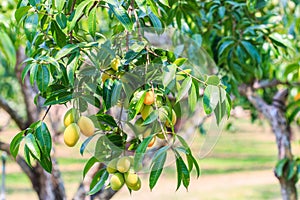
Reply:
x=92, y=21
x=15, y=144
x=42, y=78
x=100, y=183
x=122, y=16
x=156, y=170
x=186, y=85
x=78, y=12
x=89, y=164
x=43, y=138
x=140, y=152
x=32, y=145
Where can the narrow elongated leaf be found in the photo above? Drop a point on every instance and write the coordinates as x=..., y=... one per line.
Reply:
x=151, y=118
x=169, y=74
x=8, y=48
x=186, y=85
x=156, y=23
x=21, y=12
x=226, y=44
x=156, y=169
x=46, y=162
x=26, y=70
x=122, y=16
x=44, y=139
x=32, y=145
x=15, y=144
x=89, y=164
x=252, y=51
x=140, y=152
x=92, y=21
x=65, y=51
x=100, y=183
x=179, y=61
x=85, y=143
x=43, y=78
x=192, y=99
x=116, y=92
x=27, y=156
x=106, y=119
x=78, y=12
x=183, y=170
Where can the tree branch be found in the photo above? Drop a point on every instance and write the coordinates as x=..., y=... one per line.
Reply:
x=13, y=114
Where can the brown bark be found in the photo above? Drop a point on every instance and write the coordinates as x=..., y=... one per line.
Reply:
x=275, y=114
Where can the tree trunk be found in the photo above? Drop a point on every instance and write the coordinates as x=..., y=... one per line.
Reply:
x=275, y=114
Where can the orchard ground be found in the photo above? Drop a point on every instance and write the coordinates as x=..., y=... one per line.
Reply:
x=239, y=167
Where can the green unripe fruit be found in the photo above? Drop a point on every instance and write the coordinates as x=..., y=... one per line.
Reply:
x=71, y=135
x=137, y=186
x=123, y=164
x=112, y=166
x=131, y=179
x=116, y=181
x=70, y=117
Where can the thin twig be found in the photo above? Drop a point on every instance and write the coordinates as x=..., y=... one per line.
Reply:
x=47, y=111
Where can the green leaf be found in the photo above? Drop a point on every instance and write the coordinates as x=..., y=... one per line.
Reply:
x=85, y=143
x=27, y=156
x=42, y=78
x=156, y=23
x=252, y=51
x=153, y=7
x=208, y=103
x=136, y=104
x=26, y=70
x=59, y=98
x=151, y=118
x=31, y=24
x=169, y=74
x=32, y=145
x=69, y=48
x=186, y=85
x=122, y=16
x=33, y=73
x=15, y=144
x=59, y=4
x=156, y=170
x=182, y=172
x=100, y=183
x=58, y=35
x=192, y=99
x=8, y=48
x=213, y=80
x=92, y=21
x=292, y=169
x=89, y=164
x=165, y=2
x=46, y=162
x=279, y=166
x=106, y=119
x=140, y=152
x=78, y=12
x=21, y=12
x=116, y=92
x=44, y=138
x=107, y=93
x=224, y=46
x=179, y=61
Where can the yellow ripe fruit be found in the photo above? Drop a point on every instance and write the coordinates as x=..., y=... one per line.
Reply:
x=174, y=119
x=146, y=111
x=151, y=143
x=70, y=117
x=297, y=97
x=123, y=164
x=116, y=181
x=137, y=186
x=149, y=98
x=115, y=64
x=86, y=126
x=71, y=135
x=160, y=136
x=131, y=179
x=112, y=166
